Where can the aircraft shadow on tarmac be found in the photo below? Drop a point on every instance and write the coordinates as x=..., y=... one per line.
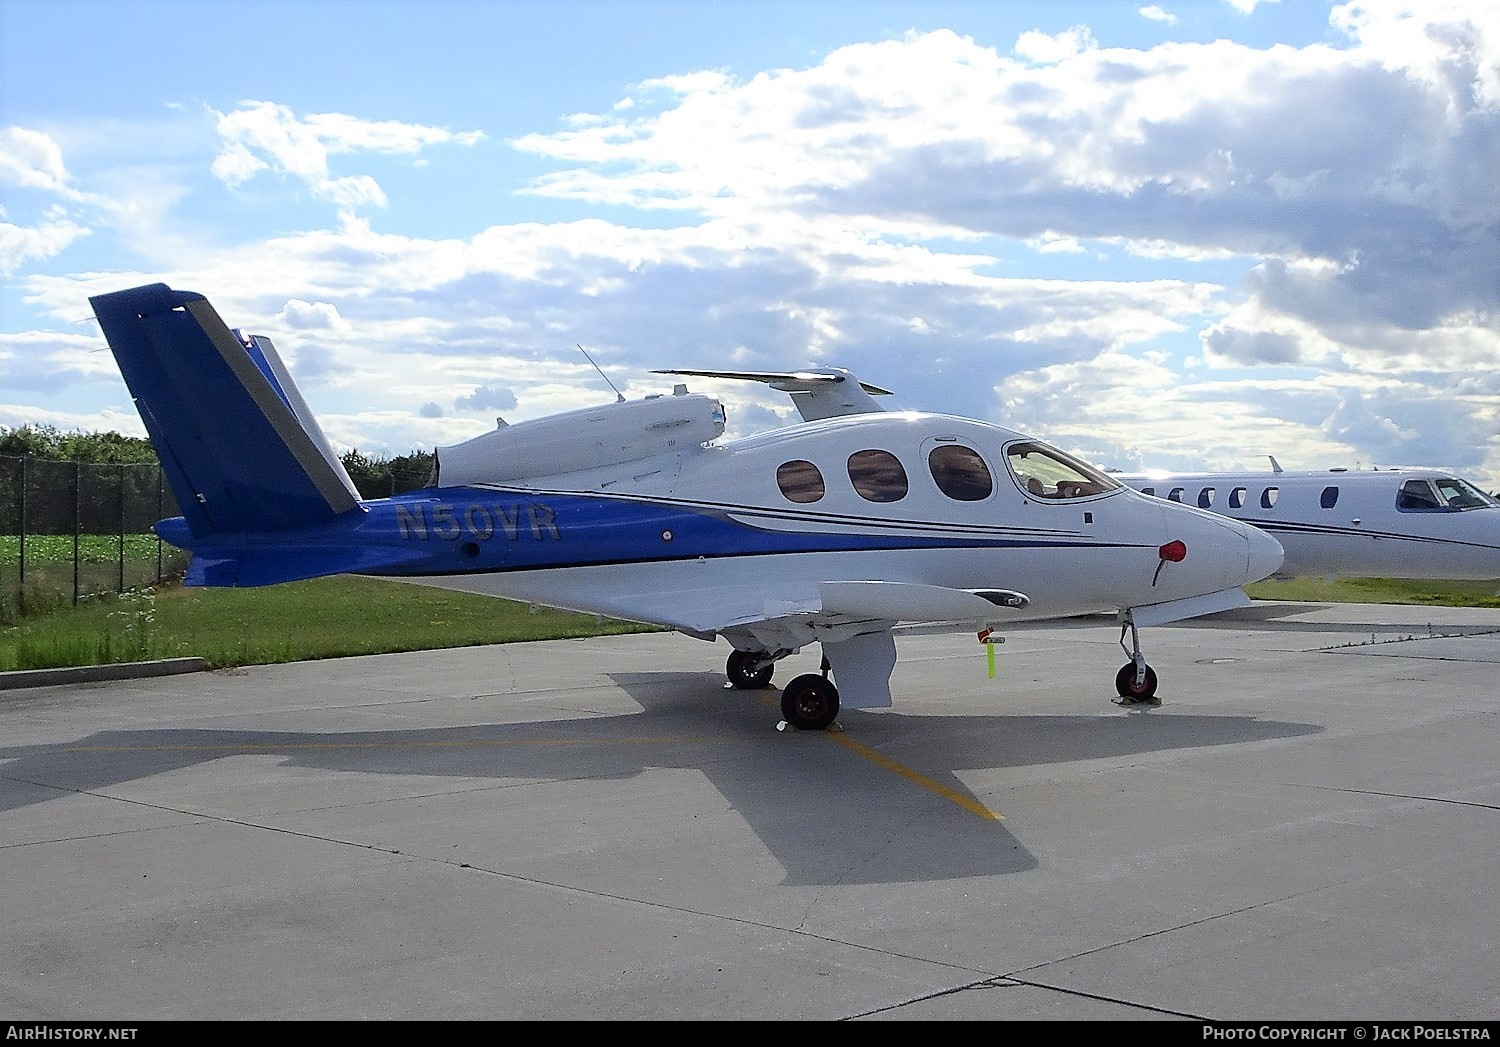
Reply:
x=827, y=810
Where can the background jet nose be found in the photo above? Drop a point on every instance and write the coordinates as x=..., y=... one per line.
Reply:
x=1265, y=556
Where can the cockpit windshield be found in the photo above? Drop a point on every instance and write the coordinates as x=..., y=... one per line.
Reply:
x=1442, y=494
x=1045, y=472
x=1460, y=494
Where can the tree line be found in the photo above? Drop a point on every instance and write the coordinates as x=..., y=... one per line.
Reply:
x=375, y=476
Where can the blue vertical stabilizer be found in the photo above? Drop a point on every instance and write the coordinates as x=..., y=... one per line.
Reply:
x=240, y=449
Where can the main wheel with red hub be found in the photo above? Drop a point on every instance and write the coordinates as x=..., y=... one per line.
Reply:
x=810, y=703
x=745, y=673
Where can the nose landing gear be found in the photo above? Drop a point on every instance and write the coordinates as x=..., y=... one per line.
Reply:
x=1136, y=681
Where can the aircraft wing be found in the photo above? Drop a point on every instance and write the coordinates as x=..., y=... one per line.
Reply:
x=818, y=393
x=852, y=620
x=835, y=604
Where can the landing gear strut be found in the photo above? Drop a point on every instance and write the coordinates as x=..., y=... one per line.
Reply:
x=1136, y=681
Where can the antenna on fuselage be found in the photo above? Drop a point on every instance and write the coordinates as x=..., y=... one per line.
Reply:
x=1275, y=465
x=619, y=396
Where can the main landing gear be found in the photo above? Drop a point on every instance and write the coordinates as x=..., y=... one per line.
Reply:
x=1136, y=681
x=809, y=703
x=749, y=670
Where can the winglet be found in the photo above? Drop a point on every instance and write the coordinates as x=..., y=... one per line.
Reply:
x=239, y=446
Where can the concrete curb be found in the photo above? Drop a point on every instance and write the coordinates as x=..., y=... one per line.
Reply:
x=93, y=673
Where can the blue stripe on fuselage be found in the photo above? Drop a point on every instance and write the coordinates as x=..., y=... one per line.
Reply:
x=469, y=530
x=505, y=530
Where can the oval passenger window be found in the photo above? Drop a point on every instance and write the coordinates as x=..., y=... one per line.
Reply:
x=877, y=476
x=800, y=481
x=960, y=473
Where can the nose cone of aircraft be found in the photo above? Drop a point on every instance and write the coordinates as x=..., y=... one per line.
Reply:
x=1265, y=556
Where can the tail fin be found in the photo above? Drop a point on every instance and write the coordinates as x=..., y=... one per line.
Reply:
x=821, y=393
x=239, y=446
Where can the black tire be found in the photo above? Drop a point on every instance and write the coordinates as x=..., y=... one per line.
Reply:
x=810, y=703
x=744, y=675
x=1125, y=683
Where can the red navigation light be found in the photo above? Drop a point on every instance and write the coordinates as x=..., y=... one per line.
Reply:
x=1175, y=551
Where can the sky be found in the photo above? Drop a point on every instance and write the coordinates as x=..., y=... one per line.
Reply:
x=1177, y=236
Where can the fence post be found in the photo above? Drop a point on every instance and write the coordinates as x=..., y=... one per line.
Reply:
x=21, y=592
x=121, y=586
x=160, y=482
x=77, y=526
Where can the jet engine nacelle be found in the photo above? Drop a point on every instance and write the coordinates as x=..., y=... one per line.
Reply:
x=627, y=431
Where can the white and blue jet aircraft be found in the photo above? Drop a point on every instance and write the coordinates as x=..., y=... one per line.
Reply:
x=833, y=531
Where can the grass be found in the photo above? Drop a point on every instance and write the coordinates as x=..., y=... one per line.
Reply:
x=342, y=616
x=92, y=548
x=1380, y=590
x=52, y=573
x=299, y=621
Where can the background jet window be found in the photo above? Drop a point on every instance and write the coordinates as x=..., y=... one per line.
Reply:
x=1174, y=495
x=1330, y=497
x=878, y=476
x=1268, y=497
x=1237, y=498
x=1149, y=490
x=960, y=473
x=1205, y=498
x=800, y=481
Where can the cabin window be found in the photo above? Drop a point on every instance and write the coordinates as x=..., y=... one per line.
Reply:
x=1149, y=490
x=1237, y=498
x=799, y=481
x=1206, y=497
x=1174, y=495
x=1330, y=497
x=1268, y=497
x=878, y=476
x=1045, y=472
x=960, y=473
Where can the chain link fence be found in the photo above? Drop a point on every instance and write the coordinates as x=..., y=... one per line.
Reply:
x=69, y=530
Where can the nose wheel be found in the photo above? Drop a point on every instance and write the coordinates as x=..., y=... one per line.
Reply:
x=1136, y=681
x=1134, y=686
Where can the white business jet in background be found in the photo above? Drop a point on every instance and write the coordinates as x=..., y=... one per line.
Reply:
x=1368, y=523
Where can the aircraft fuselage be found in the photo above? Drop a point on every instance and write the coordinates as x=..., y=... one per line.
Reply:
x=854, y=498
